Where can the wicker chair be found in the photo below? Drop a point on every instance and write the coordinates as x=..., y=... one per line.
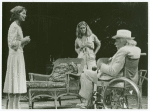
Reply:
x=39, y=84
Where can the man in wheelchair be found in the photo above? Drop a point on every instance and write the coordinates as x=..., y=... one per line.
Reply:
x=126, y=47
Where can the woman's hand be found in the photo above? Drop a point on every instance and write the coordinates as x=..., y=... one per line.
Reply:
x=26, y=40
x=81, y=47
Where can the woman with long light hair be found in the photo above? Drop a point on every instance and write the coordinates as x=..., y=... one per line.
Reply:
x=84, y=44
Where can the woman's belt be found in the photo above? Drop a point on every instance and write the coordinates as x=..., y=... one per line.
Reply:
x=85, y=49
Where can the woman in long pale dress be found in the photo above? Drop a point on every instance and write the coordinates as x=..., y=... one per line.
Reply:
x=15, y=81
x=84, y=46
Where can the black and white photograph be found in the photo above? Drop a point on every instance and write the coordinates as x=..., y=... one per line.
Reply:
x=74, y=55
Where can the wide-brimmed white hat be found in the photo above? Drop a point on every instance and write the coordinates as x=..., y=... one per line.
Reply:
x=123, y=33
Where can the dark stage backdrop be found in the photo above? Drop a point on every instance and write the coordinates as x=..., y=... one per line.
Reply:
x=52, y=28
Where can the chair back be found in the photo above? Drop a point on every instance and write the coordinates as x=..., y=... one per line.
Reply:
x=78, y=61
x=131, y=69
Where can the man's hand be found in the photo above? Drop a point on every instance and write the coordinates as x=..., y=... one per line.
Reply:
x=99, y=64
x=99, y=73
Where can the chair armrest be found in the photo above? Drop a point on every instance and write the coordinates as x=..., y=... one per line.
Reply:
x=38, y=77
x=45, y=84
x=69, y=73
x=142, y=76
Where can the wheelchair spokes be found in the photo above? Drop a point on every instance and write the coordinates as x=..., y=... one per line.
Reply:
x=115, y=99
x=112, y=97
x=98, y=99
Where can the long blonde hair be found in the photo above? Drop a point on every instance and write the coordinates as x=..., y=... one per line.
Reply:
x=88, y=30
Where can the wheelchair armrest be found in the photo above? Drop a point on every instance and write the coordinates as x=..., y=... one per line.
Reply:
x=143, y=54
x=38, y=77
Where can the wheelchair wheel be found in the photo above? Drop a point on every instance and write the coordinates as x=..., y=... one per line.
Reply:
x=121, y=93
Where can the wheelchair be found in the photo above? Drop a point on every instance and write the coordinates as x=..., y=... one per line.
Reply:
x=121, y=92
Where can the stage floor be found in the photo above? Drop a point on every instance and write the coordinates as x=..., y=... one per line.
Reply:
x=66, y=104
